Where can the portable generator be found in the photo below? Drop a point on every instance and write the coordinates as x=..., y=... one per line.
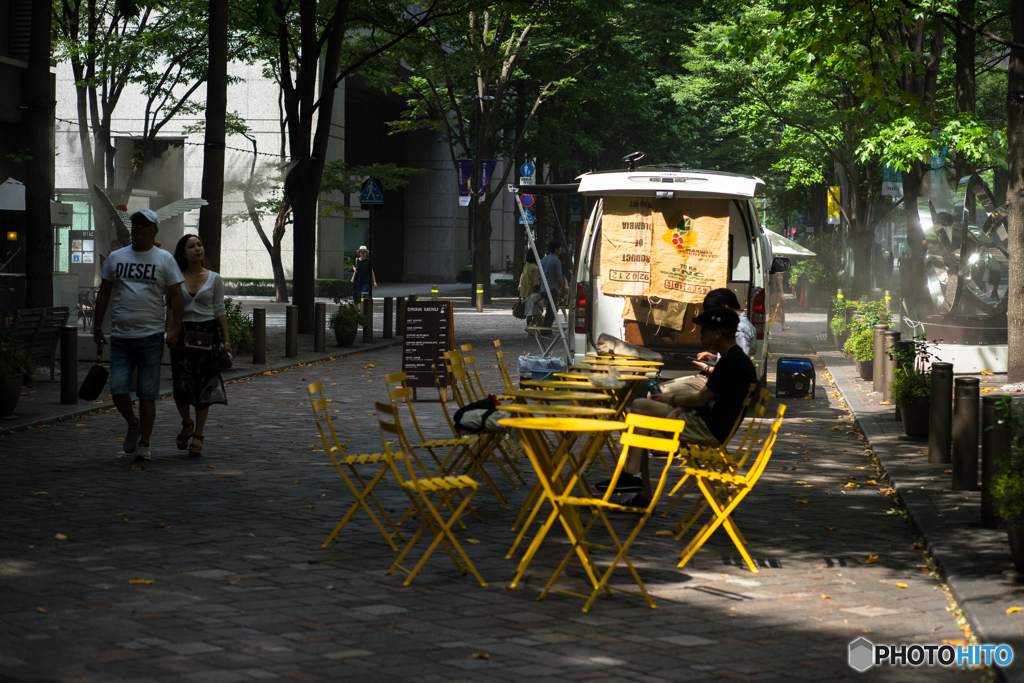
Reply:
x=794, y=377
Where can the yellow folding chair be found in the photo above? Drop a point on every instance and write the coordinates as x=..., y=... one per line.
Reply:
x=420, y=489
x=469, y=360
x=558, y=489
x=364, y=490
x=502, y=368
x=724, y=491
x=399, y=392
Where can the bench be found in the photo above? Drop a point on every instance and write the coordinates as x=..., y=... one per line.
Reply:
x=36, y=331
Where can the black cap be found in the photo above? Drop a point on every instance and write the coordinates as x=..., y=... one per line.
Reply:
x=718, y=319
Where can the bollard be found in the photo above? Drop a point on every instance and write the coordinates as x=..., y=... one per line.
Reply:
x=878, y=360
x=400, y=316
x=259, y=346
x=433, y=292
x=965, y=434
x=480, y=301
x=940, y=417
x=995, y=441
x=389, y=304
x=890, y=341
x=319, y=327
x=368, y=327
x=888, y=302
x=291, y=331
x=69, y=365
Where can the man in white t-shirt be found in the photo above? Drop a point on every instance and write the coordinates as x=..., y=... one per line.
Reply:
x=139, y=277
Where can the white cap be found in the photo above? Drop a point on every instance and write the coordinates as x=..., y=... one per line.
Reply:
x=148, y=214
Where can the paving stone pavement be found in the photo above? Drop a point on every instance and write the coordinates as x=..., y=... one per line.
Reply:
x=242, y=590
x=973, y=560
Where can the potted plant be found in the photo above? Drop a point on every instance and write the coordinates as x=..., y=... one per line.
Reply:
x=861, y=347
x=912, y=387
x=839, y=324
x=346, y=321
x=1007, y=485
x=16, y=369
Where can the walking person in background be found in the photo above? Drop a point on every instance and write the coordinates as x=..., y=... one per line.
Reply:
x=361, y=276
x=138, y=278
x=552, y=265
x=195, y=372
x=530, y=277
x=778, y=299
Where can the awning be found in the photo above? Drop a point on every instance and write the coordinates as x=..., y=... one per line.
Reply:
x=782, y=246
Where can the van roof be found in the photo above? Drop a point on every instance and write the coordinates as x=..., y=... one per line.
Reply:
x=646, y=181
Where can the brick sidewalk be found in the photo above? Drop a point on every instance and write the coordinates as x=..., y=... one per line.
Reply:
x=243, y=592
x=974, y=561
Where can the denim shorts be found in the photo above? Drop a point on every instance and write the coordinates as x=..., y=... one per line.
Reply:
x=144, y=353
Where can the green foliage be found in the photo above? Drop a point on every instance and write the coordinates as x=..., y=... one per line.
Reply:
x=868, y=315
x=913, y=378
x=861, y=346
x=240, y=327
x=14, y=362
x=256, y=286
x=1008, y=484
x=837, y=325
x=343, y=179
x=347, y=317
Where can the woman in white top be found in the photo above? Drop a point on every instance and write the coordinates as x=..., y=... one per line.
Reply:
x=196, y=373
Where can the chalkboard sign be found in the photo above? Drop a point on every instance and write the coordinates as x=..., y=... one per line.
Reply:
x=429, y=332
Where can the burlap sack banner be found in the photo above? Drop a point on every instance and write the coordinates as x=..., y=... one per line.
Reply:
x=675, y=249
x=626, y=246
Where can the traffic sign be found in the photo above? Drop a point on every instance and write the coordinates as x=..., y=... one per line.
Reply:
x=527, y=169
x=528, y=216
x=371, y=194
x=527, y=180
x=527, y=200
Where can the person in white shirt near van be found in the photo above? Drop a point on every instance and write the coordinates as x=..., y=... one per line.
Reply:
x=552, y=267
x=137, y=280
x=195, y=373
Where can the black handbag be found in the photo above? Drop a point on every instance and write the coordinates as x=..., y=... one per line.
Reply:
x=198, y=341
x=225, y=359
x=519, y=309
x=95, y=380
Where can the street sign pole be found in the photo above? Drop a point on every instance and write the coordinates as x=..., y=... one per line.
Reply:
x=370, y=197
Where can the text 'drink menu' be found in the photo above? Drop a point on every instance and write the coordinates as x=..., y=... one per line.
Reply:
x=428, y=334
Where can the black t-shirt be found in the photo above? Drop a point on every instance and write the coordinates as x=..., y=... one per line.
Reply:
x=731, y=381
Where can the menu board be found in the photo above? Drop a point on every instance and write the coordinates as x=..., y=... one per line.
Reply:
x=429, y=332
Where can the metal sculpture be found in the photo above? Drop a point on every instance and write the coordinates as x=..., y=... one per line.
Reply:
x=123, y=222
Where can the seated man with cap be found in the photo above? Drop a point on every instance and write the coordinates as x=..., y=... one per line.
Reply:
x=709, y=413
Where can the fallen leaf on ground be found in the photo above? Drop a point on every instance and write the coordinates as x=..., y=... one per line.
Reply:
x=39, y=493
x=370, y=365
x=831, y=528
x=805, y=502
x=479, y=655
x=60, y=537
x=986, y=372
x=232, y=581
x=161, y=525
x=901, y=585
x=947, y=471
x=298, y=481
x=1013, y=610
x=77, y=425
x=885, y=403
x=663, y=532
x=849, y=485
x=871, y=482
x=42, y=609
x=211, y=467
x=310, y=507
x=826, y=597
x=947, y=641
x=139, y=581
x=985, y=390
x=837, y=427
x=472, y=541
x=871, y=559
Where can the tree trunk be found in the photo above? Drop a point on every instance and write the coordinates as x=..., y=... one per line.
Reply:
x=1015, y=195
x=210, y=216
x=303, y=188
x=963, y=58
x=280, y=283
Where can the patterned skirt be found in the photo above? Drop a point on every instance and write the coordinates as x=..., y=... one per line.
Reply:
x=196, y=374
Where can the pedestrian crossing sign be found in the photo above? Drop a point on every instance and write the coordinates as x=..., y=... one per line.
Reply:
x=371, y=194
x=527, y=215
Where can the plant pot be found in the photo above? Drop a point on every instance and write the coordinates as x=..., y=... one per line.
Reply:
x=915, y=418
x=1016, y=538
x=10, y=392
x=840, y=340
x=866, y=369
x=346, y=337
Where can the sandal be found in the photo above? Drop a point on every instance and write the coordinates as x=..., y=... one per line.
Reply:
x=187, y=430
x=196, y=450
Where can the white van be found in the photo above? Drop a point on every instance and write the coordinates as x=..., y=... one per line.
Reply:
x=749, y=251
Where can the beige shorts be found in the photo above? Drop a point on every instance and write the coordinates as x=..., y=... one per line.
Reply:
x=684, y=386
x=695, y=430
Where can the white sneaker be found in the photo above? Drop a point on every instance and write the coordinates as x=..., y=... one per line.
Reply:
x=143, y=454
x=131, y=438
